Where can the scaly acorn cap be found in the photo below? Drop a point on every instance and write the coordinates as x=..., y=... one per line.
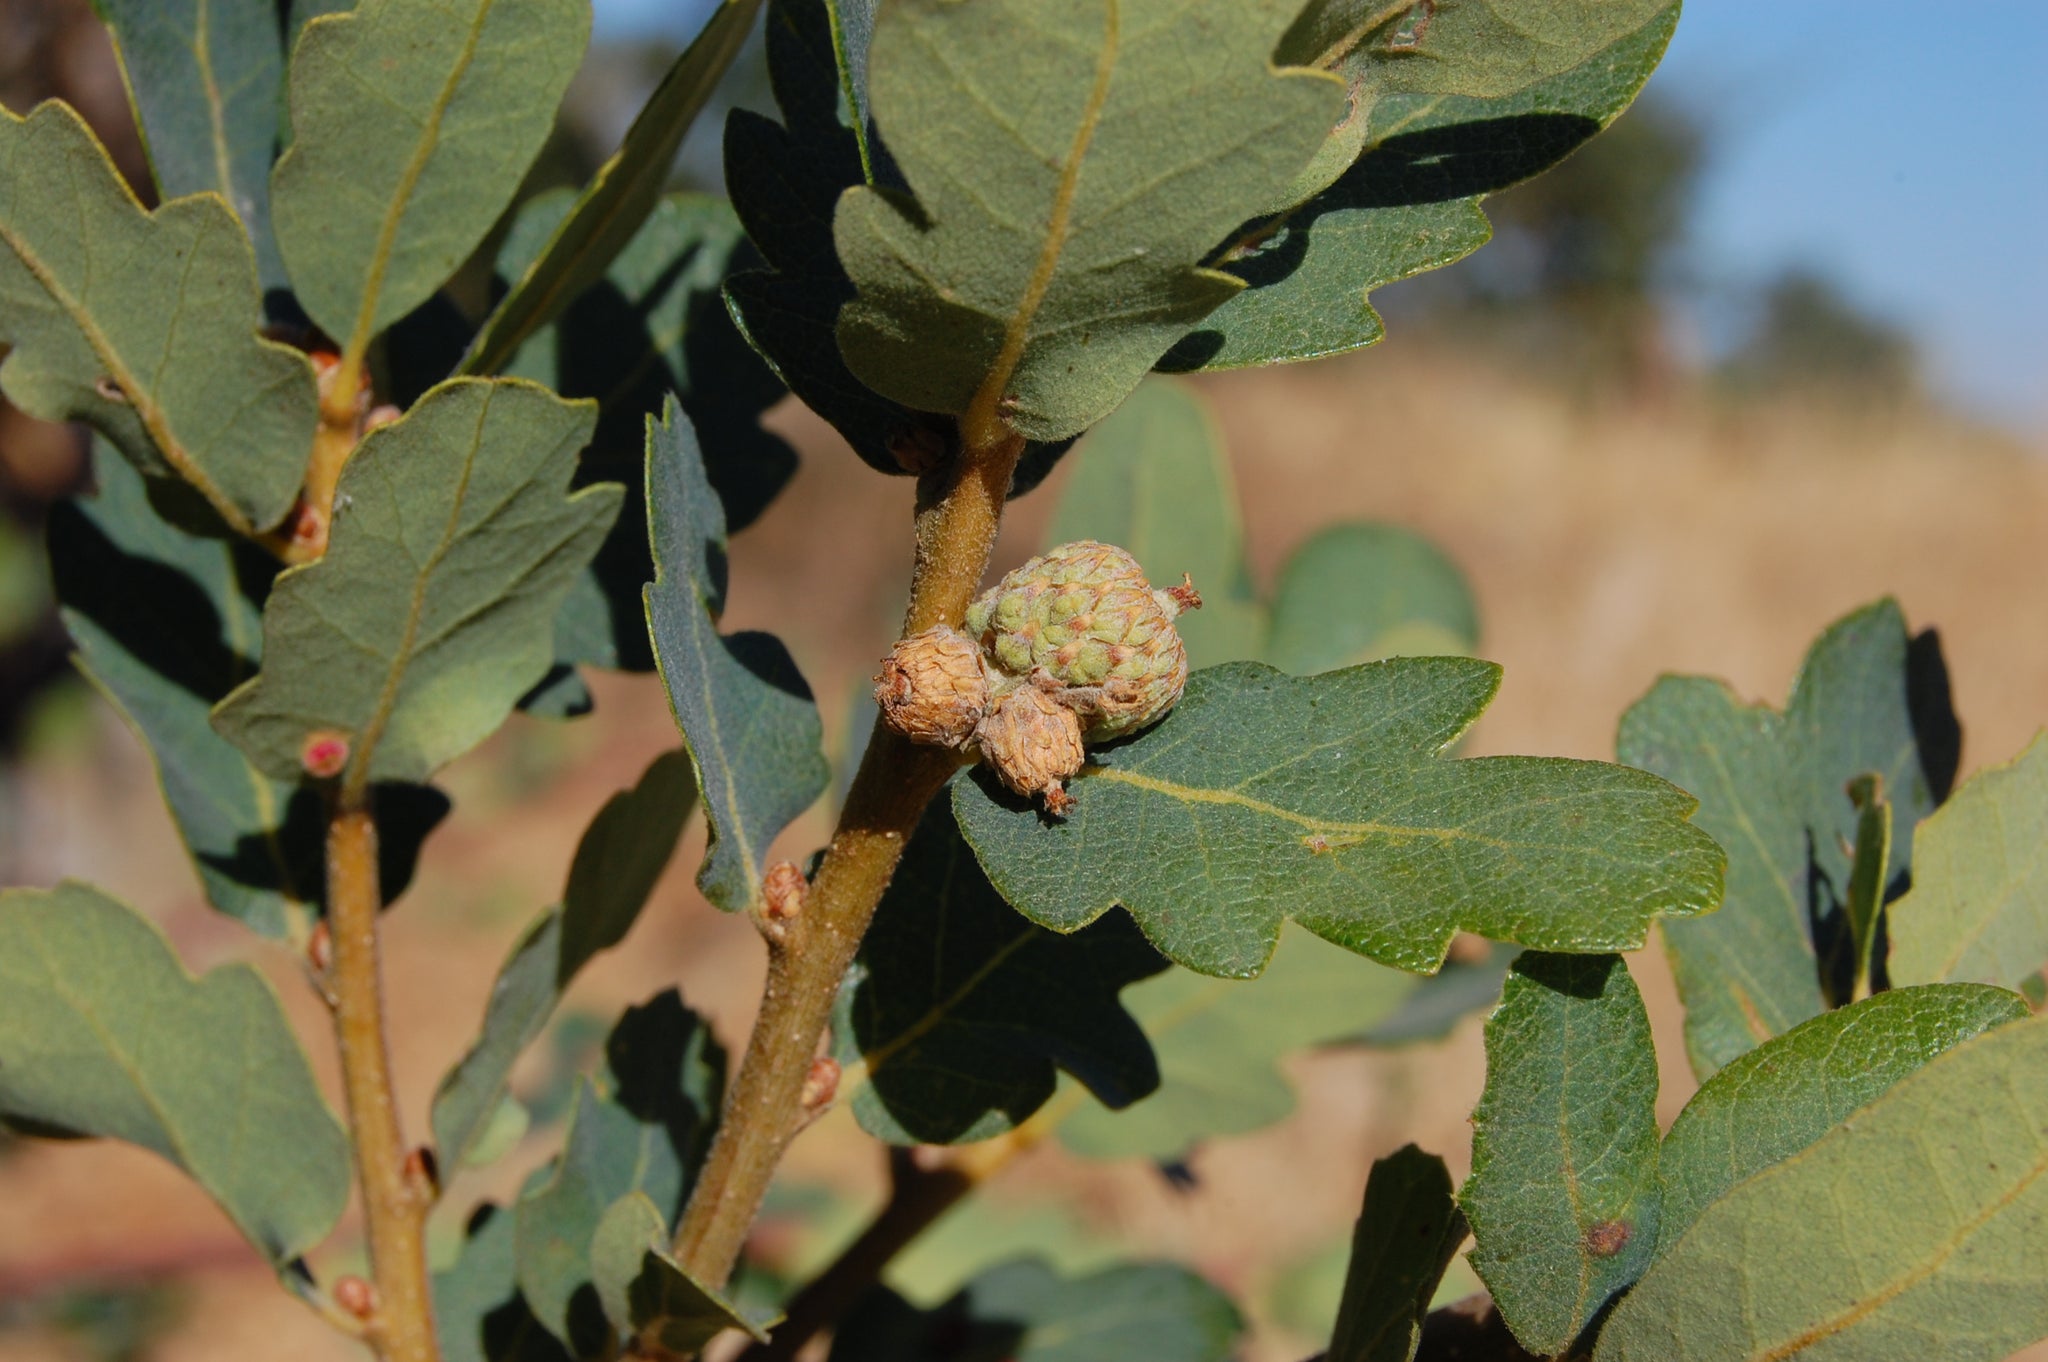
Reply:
x=1081, y=622
x=934, y=688
x=1033, y=744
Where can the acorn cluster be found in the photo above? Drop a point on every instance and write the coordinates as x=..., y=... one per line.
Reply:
x=1075, y=647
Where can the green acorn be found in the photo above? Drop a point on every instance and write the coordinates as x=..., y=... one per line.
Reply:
x=1081, y=623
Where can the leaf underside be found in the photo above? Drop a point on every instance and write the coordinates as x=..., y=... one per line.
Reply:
x=166, y=623
x=411, y=128
x=143, y=325
x=1917, y=1229
x=1978, y=908
x=454, y=541
x=1064, y=203
x=1436, y=131
x=102, y=1032
x=745, y=713
x=1772, y=790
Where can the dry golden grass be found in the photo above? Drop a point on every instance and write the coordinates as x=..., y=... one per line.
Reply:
x=1606, y=543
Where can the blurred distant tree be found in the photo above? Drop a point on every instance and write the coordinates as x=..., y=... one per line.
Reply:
x=1811, y=338
x=1573, y=280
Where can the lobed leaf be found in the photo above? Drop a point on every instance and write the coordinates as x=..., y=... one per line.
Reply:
x=1262, y=797
x=1782, y=1096
x=1978, y=908
x=655, y=324
x=1023, y=1312
x=1773, y=792
x=1064, y=199
x=958, y=1013
x=206, y=78
x=167, y=623
x=1365, y=591
x=411, y=127
x=643, y=1128
x=103, y=1033
x=647, y=1293
x=620, y=857
x=1219, y=1043
x=785, y=180
x=748, y=718
x=1438, y=121
x=1407, y=1234
x=453, y=544
x=1918, y=1229
x=610, y=211
x=1154, y=480
x=144, y=326
x=1563, y=1197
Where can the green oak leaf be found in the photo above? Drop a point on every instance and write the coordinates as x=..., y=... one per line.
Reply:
x=654, y=324
x=644, y=1127
x=1407, y=1234
x=102, y=1032
x=144, y=326
x=166, y=623
x=1914, y=1230
x=479, y=1315
x=1025, y=1312
x=748, y=718
x=1327, y=799
x=206, y=78
x=958, y=1013
x=454, y=542
x=645, y=1292
x=1978, y=908
x=1073, y=164
x=1773, y=791
x=1219, y=1044
x=1790, y=1091
x=1563, y=1196
x=1360, y=592
x=1154, y=479
x=609, y=212
x=622, y=854
x=785, y=180
x=411, y=127
x=1434, y=138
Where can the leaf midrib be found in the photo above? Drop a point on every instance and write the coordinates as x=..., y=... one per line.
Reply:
x=401, y=198
x=983, y=418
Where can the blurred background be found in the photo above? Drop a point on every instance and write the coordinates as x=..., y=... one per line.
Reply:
x=1769, y=349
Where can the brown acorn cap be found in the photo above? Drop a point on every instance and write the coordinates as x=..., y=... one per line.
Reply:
x=933, y=688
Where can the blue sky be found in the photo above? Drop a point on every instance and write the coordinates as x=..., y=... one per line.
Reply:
x=1897, y=146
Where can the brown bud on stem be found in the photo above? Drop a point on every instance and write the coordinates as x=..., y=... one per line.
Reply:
x=821, y=1085
x=1033, y=743
x=356, y=1297
x=933, y=688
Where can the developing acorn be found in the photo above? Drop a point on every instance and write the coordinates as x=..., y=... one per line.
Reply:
x=1082, y=622
x=1073, y=647
x=934, y=688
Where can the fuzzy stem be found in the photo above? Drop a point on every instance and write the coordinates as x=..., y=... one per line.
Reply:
x=394, y=1204
x=920, y=1192
x=956, y=530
